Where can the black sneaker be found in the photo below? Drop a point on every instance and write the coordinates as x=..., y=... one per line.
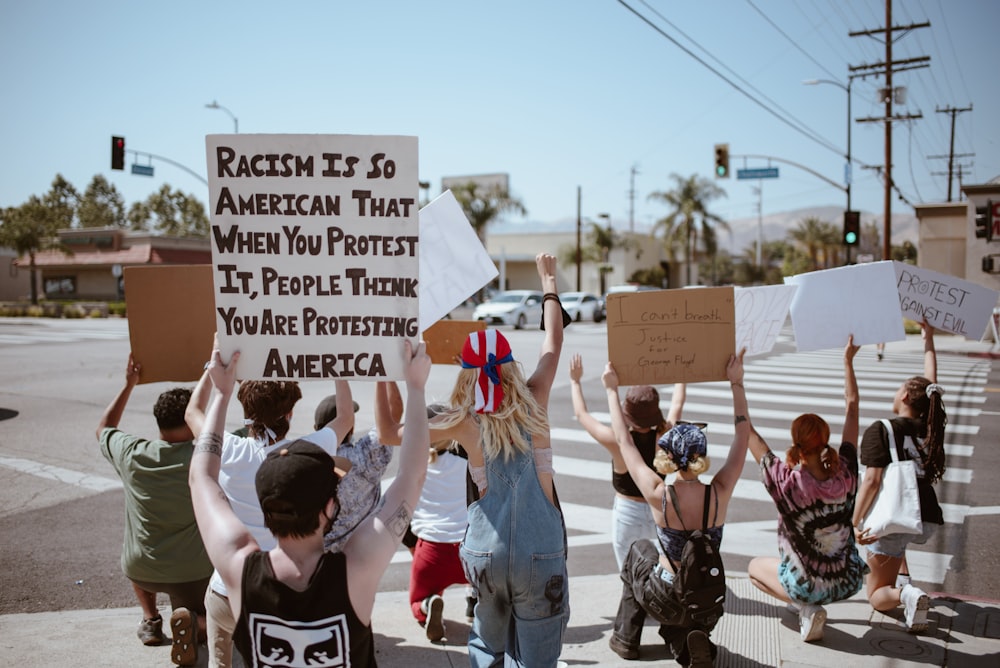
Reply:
x=621, y=649
x=700, y=650
x=151, y=631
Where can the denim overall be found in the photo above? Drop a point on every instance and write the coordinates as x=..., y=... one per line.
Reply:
x=514, y=554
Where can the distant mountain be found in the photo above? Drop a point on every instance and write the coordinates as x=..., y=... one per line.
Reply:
x=773, y=226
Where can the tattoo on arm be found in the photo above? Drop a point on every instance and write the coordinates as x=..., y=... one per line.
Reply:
x=740, y=418
x=210, y=443
x=398, y=521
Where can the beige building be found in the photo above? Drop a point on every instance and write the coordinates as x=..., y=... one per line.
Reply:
x=514, y=255
x=91, y=266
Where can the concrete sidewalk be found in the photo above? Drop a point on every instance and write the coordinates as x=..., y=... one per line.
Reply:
x=756, y=631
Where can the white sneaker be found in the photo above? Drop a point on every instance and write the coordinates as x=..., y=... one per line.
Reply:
x=902, y=580
x=793, y=607
x=812, y=619
x=915, y=606
x=434, y=626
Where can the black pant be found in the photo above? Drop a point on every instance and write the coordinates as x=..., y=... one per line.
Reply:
x=642, y=595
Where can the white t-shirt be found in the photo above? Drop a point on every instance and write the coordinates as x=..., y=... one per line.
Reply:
x=441, y=515
x=241, y=457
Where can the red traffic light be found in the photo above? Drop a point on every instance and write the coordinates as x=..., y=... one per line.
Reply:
x=118, y=153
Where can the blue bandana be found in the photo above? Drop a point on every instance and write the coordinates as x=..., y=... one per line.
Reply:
x=683, y=443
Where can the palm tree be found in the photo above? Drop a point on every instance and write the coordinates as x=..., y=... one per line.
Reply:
x=689, y=214
x=812, y=236
x=484, y=205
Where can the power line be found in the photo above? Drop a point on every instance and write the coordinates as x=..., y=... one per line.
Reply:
x=812, y=136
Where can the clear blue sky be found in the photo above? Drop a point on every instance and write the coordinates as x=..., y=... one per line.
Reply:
x=558, y=94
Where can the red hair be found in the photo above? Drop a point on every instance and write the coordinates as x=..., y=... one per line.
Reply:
x=811, y=434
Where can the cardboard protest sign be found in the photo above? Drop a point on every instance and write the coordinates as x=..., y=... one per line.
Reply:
x=761, y=312
x=314, y=253
x=947, y=303
x=453, y=262
x=171, y=320
x=445, y=339
x=671, y=336
x=832, y=304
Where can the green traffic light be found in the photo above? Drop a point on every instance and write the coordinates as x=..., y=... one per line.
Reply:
x=850, y=237
x=720, y=170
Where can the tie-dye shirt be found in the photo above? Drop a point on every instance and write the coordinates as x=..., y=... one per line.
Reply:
x=819, y=561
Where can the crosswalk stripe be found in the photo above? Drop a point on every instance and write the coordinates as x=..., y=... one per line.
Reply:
x=86, y=481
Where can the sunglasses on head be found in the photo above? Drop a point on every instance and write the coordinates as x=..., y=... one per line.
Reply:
x=701, y=425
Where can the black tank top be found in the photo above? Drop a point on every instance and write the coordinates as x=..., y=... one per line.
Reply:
x=646, y=444
x=316, y=627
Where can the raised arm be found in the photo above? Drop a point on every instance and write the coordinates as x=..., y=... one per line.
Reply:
x=548, y=361
x=388, y=413
x=599, y=431
x=112, y=415
x=194, y=414
x=226, y=540
x=930, y=355
x=343, y=424
x=645, y=478
x=677, y=398
x=725, y=480
x=370, y=548
x=852, y=399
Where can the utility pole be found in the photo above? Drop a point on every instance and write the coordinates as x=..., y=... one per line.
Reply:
x=951, y=149
x=631, y=198
x=579, y=224
x=889, y=67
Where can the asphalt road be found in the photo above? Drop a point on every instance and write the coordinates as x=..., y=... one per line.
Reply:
x=61, y=511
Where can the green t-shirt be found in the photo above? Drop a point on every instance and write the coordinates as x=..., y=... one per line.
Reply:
x=162, y=542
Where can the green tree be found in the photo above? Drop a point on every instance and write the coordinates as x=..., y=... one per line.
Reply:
x=28, y=229
x=61, y=201
x=811, y=237
x=689, y=216
x=169, y=212
x=101, y=205
x=484, y=205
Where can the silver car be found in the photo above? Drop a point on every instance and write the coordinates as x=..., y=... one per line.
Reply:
x=513, y=307
x=582, y=306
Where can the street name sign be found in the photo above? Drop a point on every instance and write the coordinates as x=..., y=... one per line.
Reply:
x=757, y=173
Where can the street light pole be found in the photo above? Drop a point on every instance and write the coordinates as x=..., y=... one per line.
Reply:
x=849, y=168
x=215, y=105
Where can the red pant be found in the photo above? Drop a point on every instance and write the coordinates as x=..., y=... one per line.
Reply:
x=435, y=567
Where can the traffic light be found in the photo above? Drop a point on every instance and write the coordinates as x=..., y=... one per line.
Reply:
x=984, y=221
x=852, y=228
x=722, y=161
x=118, y=153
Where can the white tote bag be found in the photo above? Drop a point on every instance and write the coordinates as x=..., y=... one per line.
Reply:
x=896, y=508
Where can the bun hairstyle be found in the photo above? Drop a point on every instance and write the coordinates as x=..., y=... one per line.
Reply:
x=664, y=465
x=683, y=448
x=924, y=399
x=810, y=435
x=266, y=405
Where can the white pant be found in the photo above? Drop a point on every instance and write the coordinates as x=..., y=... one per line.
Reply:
x=630, y=521
x=220, y=625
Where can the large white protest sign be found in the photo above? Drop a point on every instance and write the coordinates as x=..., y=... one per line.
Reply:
x=947, y=303
x=314, y=253
x=761, y=312
x=453, y=262
x=832, y=304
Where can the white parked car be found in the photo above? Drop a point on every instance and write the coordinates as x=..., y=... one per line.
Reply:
x=513, y=307
x=582, y=306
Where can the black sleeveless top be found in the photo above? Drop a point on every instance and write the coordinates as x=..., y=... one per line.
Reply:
x=281, y=626
x=646, y=443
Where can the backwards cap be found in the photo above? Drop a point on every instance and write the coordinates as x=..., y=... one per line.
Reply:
x=486, y=350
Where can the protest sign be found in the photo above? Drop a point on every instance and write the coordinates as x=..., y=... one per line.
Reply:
x=671, y=336
x=947, y=303
x=171, y=320
x=832, y=304
x=453, y=262
x=761, y=312
x=445, y=339
x=314, y=253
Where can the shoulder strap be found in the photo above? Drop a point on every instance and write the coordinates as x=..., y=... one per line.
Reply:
x=890, y=439
x=708, y=502
x=676, y=505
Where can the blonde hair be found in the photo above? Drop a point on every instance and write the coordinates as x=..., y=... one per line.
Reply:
x=501, y=432
x=664, y=465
